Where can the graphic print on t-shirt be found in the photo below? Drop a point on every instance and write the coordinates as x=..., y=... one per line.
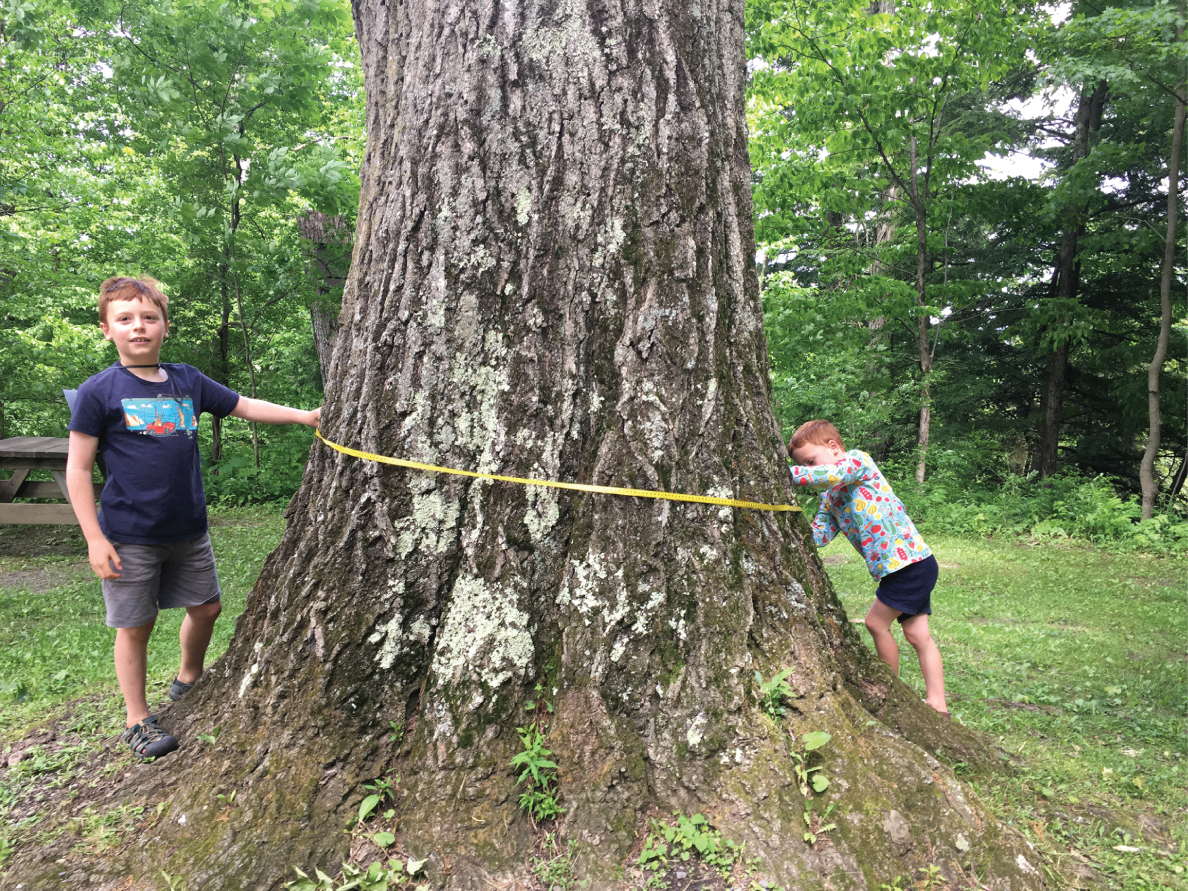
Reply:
x=162, y=416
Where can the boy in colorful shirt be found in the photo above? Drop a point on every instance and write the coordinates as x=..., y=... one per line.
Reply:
x=857, y=501
x=149, y=543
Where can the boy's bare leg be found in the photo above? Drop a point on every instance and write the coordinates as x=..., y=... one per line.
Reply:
x=878, y=623
x=916, y=631
x=131, y=664
x=196, y=629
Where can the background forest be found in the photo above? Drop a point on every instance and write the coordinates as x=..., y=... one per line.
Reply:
x=961, y=208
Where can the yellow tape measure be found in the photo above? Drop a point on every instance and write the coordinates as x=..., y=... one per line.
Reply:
x=577, y=487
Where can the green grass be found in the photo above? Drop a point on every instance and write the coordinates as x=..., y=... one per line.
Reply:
x=1074, y=659
x=54, y=645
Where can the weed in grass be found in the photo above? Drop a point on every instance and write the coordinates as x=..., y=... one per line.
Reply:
x=102, y=830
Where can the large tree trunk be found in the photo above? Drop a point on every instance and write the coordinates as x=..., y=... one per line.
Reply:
x=1065, y=286
x=554, y=278
x=1147, y=465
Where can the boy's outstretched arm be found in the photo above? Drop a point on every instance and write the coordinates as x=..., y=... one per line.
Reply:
x=271, y=413
x=80, y=461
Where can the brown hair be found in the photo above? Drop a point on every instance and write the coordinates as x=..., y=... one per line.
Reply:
x=818, y=432
x=121, y=287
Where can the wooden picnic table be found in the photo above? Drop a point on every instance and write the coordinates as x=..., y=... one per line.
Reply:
x=22, y=454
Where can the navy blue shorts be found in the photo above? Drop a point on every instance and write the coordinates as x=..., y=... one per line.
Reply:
x=909, y=590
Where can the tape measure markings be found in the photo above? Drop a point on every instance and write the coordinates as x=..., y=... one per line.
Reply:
x=576, y=487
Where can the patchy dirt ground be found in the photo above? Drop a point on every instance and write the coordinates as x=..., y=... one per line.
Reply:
x=42, y=541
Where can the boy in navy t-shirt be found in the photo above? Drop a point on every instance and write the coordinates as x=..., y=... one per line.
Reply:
x=149, y=542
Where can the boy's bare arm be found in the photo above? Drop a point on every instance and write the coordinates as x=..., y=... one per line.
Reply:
x=271, y=413
x=80, y=463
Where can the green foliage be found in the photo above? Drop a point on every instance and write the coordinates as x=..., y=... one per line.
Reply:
x=555, y=867
x=774, y=691
x=1068, y=506
x=685, y=838
x=538, y=773
x=1072, y=658
x=815, y=825
x=378, y=876
x=805, y=775
x=56, y=646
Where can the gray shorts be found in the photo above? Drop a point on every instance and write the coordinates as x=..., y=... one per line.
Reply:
x=157, y=577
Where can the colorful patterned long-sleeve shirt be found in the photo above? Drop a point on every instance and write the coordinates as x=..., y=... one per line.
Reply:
x=857, y=501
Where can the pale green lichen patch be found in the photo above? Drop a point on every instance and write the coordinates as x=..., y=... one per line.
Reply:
x=389, y=633
x=480, y=432
x=431, y=525
x=484, y=637
x=523, y=206
x=567, y=45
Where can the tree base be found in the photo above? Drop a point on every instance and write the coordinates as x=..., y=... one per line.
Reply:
x=296, y=793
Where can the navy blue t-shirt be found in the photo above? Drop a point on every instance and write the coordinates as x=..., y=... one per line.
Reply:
x=148, y=437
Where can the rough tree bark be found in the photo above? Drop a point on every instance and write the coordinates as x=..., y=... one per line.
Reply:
x=553, y=277
x=1065, y=286
x=1147, y=466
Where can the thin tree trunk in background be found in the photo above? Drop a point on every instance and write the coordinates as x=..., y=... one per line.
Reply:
x=1178, y=480
x=923, y=346
x=1147, y=467
x=554, y=278
x=221, y=371
x=1065, y=286
x=885, y=230
x=331, y=240
x=247, y=355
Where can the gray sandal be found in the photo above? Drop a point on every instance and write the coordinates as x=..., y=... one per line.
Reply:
x=148, y=740
x=177, y=689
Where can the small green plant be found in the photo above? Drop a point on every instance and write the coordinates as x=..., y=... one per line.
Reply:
x=173, y=883
x=805, y=774
x=774, y=691
x=539, y=773
x=815, y=825
x=383, y=787
x=540, y=693
x=228, y=799
x=376, y=877
x=366, y=807
x=555, y=867
x=397, y=732
x=932, y=878
x=688, y=837
x=209, y=738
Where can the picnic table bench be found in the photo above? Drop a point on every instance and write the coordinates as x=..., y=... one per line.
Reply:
x=21, y=454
